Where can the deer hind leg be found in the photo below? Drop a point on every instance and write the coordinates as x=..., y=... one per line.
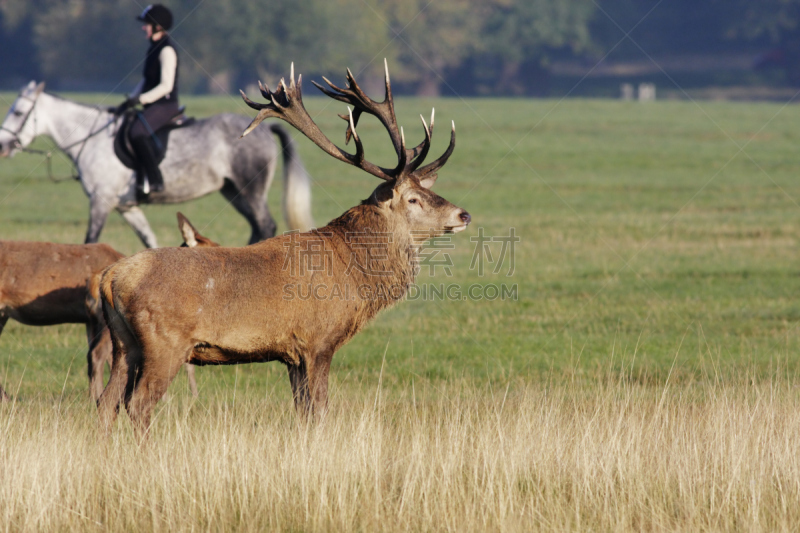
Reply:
x=127, y=360
x=100, y=353
x=3, y=319
x=159, y=369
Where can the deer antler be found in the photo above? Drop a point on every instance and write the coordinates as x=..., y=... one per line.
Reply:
x=287, y=103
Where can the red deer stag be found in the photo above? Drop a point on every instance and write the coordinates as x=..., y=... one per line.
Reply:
x=44, y=283
x=217, y=306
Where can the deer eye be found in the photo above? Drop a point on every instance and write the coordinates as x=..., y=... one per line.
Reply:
x=413, y=201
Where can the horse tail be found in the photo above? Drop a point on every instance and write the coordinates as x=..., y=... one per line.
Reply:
x=296, y=184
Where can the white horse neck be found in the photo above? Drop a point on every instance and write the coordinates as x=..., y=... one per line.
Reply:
x=68, y=123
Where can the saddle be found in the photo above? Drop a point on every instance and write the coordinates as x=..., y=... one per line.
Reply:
x=122, y=142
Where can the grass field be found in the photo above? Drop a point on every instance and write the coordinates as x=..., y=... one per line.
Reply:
x=645, y=376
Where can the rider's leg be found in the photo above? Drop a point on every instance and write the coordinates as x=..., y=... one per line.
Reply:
x=143, y=142
x=146, y=154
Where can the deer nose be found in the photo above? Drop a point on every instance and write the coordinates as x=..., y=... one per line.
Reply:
x=465, y=218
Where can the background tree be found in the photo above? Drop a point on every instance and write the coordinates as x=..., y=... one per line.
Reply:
x=444, y=46
x=430, y=38
x=16, y=34
x=233, y=43
x=776, y=22
x=87, y=44
x=518, y=37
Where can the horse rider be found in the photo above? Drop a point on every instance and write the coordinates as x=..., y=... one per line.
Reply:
x=157, y=92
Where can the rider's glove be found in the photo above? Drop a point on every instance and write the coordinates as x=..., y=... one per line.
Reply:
x=129, y=102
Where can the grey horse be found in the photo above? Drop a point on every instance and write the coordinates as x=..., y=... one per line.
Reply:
x=201, y=158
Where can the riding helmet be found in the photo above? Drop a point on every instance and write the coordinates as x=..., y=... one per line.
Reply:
x=157, y=15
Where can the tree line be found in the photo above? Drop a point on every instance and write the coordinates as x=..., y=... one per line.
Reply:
x=473, y=47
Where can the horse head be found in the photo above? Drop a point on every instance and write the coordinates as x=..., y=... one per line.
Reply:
x=17, y=130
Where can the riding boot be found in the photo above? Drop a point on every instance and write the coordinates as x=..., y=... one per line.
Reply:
x=141, y=181
x=146, y=154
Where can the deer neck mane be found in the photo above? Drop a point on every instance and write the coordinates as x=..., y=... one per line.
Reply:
x=371, y=239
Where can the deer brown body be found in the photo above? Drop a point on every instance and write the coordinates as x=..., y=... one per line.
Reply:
x=295, y=299
x=43, y=283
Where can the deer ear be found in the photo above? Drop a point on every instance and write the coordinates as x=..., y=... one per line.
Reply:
x=428, y=180
x=187, y=230
x=383, y=193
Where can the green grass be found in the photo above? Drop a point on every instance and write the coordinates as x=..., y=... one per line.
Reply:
x=648, y=239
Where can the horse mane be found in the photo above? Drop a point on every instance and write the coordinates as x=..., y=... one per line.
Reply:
x=82, y=104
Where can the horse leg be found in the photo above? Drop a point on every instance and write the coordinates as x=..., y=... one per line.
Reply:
x=135, y=217
x=251, y=202
x=3, y=319
x=99, y=208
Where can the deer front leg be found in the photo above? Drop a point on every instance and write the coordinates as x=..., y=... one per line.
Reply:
x=318, y=383
x=192, y=380
x=298, y=377
x=310, y=384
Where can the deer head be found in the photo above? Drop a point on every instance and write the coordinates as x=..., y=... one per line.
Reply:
x=405, y=197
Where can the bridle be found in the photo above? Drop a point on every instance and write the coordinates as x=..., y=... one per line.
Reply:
x=48, y=154
x=17, y=141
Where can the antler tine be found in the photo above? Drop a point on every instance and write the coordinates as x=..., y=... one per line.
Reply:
x=355, y=96
x=402, y=157
x=420, y=152
x=433, y=168
x=264, y=90
x=337, y=93
x=286, y=103
x=359, y=147
x=254, y=105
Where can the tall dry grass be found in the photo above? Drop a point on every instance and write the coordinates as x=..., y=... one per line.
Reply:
x=457, y=457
